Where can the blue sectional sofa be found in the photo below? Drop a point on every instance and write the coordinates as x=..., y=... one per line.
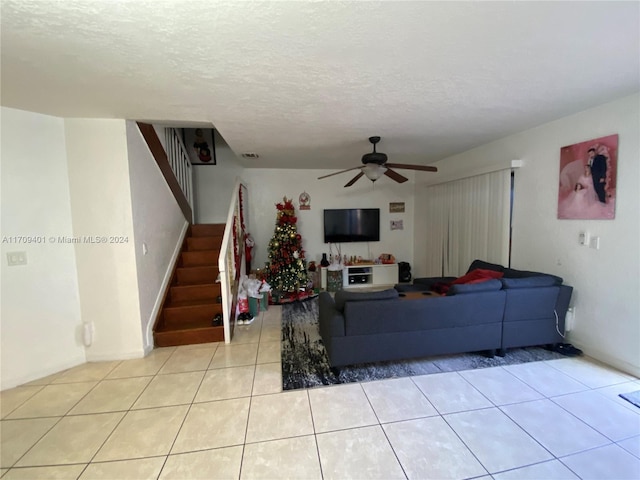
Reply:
x=520, y=309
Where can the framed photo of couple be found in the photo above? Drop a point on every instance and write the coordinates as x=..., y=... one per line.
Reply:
x=587, y=187
x=200, y=145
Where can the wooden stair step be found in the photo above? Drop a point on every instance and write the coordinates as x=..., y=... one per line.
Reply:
x=207, y=230
x=195, y=333
x=176, y=314
x=195, y=244
x=183, y=293
x=196, y=275
x=186, y=325
x=199, y=258
x=190, y=305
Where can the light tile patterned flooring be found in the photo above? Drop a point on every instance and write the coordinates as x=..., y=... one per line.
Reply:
x=217, y=411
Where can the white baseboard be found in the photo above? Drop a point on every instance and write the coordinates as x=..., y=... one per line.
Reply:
x=609, y=359
x=114, y=356
x=45, y=371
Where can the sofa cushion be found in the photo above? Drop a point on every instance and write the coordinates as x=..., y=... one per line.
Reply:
x=411, y=288
x=487, y=286
x=513, y=273
x=431, y=280
x=343, y=296
x=485, y=266
x=530, y=282
x=476, y=276
x=429, y=313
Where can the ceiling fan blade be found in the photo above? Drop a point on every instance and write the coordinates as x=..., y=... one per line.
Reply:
x=354, y=179
x=424, y=168
x=336, y=173
x=395, y=176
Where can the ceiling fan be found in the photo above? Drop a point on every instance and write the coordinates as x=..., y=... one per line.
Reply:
x=375, y=165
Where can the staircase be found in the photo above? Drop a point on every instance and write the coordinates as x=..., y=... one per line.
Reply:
x=193, y=298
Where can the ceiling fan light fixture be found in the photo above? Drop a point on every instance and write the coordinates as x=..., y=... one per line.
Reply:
x=374, y=172
x=375, y=165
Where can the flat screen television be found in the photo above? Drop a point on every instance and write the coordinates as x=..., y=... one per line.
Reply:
x=352, y=225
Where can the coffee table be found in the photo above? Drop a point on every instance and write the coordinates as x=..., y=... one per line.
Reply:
x=417, y=295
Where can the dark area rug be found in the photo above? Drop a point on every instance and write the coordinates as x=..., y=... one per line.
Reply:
x=305, y=363
x=633, y=397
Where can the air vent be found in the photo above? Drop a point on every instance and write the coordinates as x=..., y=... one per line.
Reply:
x=250, y=155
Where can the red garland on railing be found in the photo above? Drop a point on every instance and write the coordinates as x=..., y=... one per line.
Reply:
x=236, y=247
x=236, y=250
x=242, y=225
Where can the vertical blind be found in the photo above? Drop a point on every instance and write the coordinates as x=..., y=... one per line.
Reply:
x=467, y=219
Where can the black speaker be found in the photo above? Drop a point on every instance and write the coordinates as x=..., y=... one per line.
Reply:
x=404, y=272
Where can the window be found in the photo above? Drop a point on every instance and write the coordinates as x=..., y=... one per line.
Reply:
x=468, y=219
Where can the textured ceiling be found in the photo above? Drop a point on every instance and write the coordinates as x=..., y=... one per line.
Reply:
x=303, y=84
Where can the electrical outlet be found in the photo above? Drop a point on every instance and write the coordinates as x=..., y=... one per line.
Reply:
x=16, y=258
x=583, y=238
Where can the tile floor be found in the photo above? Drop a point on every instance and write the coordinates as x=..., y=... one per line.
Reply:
x=217, y=411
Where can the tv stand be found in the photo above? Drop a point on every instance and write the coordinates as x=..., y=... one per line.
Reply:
x=364, y=275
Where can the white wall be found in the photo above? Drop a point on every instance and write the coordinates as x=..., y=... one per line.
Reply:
x=267, y=187
x=160, y=131
x=213, y=184
x=40, y=319
x=158, y=223
x=606, y=281
x=101, y=206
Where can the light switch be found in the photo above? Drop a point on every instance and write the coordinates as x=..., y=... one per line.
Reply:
x=595, y=243
x=16, y=258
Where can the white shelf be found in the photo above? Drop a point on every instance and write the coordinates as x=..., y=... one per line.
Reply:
x=355, y=276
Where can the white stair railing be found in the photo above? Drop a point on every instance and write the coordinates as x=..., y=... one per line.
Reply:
x=231, y=260
x=179, y=161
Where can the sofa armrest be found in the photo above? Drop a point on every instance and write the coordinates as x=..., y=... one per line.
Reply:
x=331, y=321
x=562, y=304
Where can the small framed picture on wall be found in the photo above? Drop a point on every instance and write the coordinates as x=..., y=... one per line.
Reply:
x=200, y=145
x=396, y=207
x=397, y=225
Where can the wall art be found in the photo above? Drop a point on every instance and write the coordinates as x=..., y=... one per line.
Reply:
x=587, y=186
x=200, y=145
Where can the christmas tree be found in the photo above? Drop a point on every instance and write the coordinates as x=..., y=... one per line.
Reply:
x=286, y=270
